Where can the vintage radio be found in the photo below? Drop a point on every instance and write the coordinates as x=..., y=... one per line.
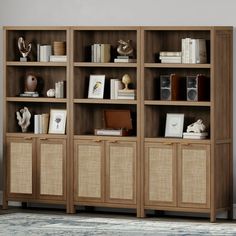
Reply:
x=198, y=88
x=171, y=87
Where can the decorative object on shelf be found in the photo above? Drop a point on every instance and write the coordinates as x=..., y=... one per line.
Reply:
x=45, y=52
x=23, y=116
x=174, y=125
x=196, y=127
x=60, y=89
x=31, y=83
x=170, y=57
x=115, y=86
x=96, y=86
x=126, y=93
x=24, y=50
x=51, y=93
x=57, y=124
x=125, y=48
x=59, y=48
x=125, y=51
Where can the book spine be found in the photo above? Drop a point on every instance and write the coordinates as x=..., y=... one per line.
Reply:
x=45, y=119
x=38, y=52
x=98, y=52
x=112, y=89
x=92, y=53
x=183, y=50
x=36, y=124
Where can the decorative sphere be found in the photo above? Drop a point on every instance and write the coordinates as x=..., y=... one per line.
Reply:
x=126, y=79
x=51, y=93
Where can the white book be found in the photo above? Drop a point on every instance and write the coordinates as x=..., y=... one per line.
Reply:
x=187, y=50
x=115, y=85
x=183, y=48
x=125, y=60
x=170, y=54
x=45, y=53
x=38, y=52
x=55, y=58
x=36, y=124
x=203, y=134
x=92, y=53
x=40, y=124
x=98, y=52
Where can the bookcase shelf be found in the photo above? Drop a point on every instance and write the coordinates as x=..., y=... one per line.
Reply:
x=111, y=64
x=142, y=171
x=35, y=63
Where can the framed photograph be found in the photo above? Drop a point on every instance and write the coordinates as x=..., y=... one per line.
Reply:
x=96, y=86
x=174, y=125
x=57, y=123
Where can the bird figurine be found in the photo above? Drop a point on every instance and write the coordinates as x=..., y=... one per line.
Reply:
x=96, y=86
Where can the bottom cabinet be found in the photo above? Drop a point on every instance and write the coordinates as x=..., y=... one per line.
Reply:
x=21, y=163
x=177, y=171
x=105, y=171
x=36, y=168
x=160, y=174
x=52, y=168
x=194, y=175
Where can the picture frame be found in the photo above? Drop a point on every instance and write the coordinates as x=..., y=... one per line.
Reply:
x=96, y=86
x=174, y=125
x=57, y=122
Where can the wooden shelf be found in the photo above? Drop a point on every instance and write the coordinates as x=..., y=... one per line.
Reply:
x=35, y=63
x=105, y=101
x=177, y=140
x=98, y=138
x=175, y=65
x=111, y=64
x=39, y=99
x=176, y=103
x=32, y=135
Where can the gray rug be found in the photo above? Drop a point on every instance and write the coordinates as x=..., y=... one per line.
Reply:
x=48, y=224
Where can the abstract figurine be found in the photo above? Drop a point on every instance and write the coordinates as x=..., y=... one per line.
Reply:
x=24, y=50
x=23, y=116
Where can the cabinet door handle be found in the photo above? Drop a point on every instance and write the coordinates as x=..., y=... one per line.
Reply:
x=167, y=143
x=43, y=139
x=114, y=141
x=97, y=140
x=27, y=138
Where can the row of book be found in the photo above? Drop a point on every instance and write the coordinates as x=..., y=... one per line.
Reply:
x=117, y=90
x=100, y=53
x=60, y=89
x=170, y=57
x=190, y=135
x=41, y=123
x=193, y=50
x=44, y=54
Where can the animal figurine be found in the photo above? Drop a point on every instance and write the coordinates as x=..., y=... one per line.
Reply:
x=23, y=116
x=125, y=48
x=196, y=127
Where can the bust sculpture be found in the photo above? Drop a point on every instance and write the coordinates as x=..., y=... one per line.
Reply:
x=196, y=127
x=23, y=116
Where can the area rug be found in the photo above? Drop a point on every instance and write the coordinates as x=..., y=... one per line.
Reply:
x=22, y=224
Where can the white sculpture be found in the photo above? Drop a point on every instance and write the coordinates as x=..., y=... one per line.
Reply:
x=51, y=93
x=23, y=116
x=196, y=127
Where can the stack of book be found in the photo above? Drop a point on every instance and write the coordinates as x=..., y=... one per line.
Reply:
x=29, y=94
x=170, y=57
x=58, y=58
x=195, y=135
x=100, y=53
x=41, y=123
x=115, y=86
x=123, y=59
x=126, y=94
x=60, y=88
x=194, y=50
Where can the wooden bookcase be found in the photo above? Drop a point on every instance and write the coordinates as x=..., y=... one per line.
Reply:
x=144, y=171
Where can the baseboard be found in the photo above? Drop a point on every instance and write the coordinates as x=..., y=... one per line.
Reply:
x=222, y=215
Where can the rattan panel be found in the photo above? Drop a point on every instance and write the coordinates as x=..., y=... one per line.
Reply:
x=194, y=167
x=51, y=169
x=21, y=168
x=89, y=171
x=160, y=174
x=121, y=172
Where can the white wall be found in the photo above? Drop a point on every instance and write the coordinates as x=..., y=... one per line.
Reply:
x=121, y=12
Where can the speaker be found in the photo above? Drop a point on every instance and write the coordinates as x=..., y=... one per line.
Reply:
x=198, y=88
x=170, y=87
